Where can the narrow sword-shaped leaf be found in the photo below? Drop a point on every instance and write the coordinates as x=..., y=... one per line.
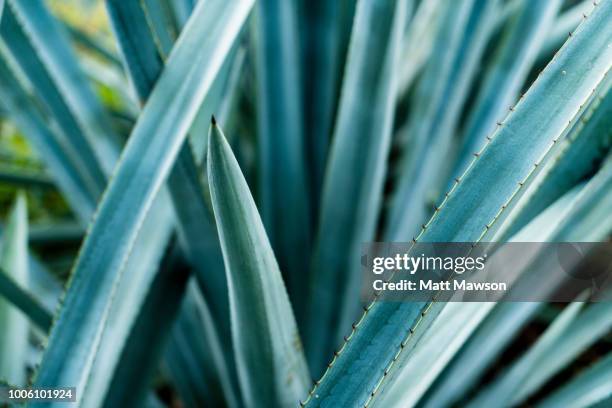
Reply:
x=385, y=335
x=146, y=161
x=283, y=183
x=265, y=335
x=355, y=175
x=13, y=323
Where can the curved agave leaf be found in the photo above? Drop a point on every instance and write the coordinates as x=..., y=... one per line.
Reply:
x=283, y=183
x=384, y=337
x=53, y=48
x=13, y=323
x=590, y=388
x=520, y=43
x=264, y=331
x=466, y=27
x=147, y=159
x=355, y=175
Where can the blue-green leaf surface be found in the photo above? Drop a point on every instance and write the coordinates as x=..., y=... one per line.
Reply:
x=264, y=332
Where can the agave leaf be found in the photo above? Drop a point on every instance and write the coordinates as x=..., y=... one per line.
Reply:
x=1, y=9
x=31, y=122
x=516, y=54
x=264, y=331
x=580, y=154
x=52, y=46
x=587, y=389
x=28, y=304
x=283, y=183
x=146, y=161
x=13, y=323
x=382, y=340
x=355, y=175
x=466, y=26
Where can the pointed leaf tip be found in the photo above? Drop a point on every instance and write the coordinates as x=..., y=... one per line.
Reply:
x=213, y=121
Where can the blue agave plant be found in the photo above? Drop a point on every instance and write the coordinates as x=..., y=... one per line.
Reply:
x=225, y=271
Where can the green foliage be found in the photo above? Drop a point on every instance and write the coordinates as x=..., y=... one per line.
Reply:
x=200, y=265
